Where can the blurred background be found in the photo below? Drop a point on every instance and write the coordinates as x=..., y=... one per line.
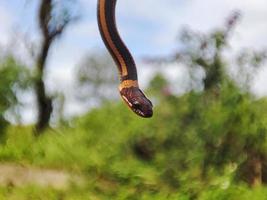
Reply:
x=65, y=134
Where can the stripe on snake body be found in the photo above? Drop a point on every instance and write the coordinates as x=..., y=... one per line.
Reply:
x=115, y=45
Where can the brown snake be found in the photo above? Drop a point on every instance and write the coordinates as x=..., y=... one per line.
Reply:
x=129, y=88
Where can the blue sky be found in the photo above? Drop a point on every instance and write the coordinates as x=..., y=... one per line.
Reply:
x=149, y=28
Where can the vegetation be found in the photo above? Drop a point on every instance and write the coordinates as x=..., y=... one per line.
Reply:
x=209, y=143
x=52, y=26
x=14, y=78
x=124, y=157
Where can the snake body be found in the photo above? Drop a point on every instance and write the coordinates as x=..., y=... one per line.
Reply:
x=129, y=87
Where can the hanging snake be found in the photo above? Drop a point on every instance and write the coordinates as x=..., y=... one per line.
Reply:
x=129, y=88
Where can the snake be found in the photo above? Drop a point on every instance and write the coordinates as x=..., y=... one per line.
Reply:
x=129, y=89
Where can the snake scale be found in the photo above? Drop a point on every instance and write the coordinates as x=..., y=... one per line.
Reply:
x=129, y=87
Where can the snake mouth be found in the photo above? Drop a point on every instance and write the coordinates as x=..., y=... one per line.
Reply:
x=139, y=112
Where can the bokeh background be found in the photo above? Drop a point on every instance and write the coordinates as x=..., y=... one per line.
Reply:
x=65, y=134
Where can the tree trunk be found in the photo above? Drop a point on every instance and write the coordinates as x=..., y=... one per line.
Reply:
x=44, y=107
x=251, y=171
x=255, y=165
x=44, y=103
x=49, y=33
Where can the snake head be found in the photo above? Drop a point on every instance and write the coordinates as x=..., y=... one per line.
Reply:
x=137, y=101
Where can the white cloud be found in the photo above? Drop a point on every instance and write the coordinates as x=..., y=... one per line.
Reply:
x=6, y=21
x=149, y=27
x=202, y=15
x=85, y=29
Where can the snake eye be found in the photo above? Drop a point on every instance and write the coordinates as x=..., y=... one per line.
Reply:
x=136, y=105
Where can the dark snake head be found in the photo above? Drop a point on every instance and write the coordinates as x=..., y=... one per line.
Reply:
x=137, y=101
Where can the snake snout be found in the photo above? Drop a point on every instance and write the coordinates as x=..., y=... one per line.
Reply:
x=143, y=107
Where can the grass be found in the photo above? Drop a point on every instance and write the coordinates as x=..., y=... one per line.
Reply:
x=99, y=148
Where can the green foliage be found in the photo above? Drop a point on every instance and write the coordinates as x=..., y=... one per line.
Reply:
x=124, y=157
x=191, y=149
x=204, y=145
x=235, y=193
x=13, y=77
x=157, y=85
